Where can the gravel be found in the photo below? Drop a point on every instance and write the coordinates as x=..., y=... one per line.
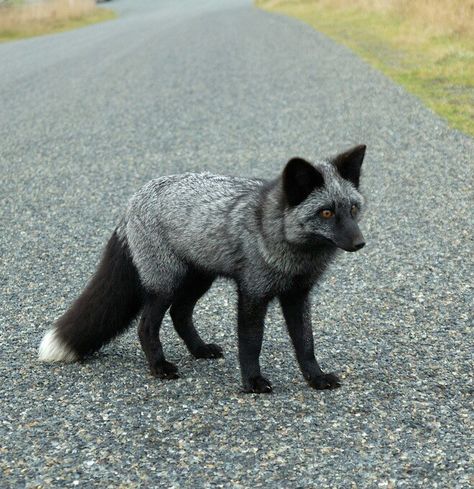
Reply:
x=87, y=117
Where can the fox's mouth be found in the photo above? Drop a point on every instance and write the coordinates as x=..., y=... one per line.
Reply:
x=354, y=247
x=352, y=244
x=315, y=241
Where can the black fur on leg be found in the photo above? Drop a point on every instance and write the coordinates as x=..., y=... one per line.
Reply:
x=251, y=315
x=193, y=287
x=325, y=381
x=209, y=350
x=155, y=308
x=108, y=304
x=258, y=385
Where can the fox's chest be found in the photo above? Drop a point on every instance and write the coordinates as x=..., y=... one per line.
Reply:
x=272, y=283
x=278, y=273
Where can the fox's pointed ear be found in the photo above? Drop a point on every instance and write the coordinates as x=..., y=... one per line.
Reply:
x=348, y=163
x=300, y=178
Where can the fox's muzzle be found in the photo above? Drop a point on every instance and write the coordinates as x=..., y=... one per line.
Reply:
x=349, y=237
x=357, y=245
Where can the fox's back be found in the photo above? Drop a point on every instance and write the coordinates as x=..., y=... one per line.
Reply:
x=200, y=216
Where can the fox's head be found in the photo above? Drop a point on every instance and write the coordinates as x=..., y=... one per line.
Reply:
x=322, y=201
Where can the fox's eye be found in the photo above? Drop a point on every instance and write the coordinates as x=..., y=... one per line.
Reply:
x=354, y=210
x=326, y=213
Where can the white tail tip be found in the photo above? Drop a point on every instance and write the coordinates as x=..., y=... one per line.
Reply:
x=52, y=349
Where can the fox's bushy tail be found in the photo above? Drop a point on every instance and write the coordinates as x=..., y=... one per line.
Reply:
x=106, y=307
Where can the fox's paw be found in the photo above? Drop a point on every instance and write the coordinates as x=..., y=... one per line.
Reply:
x=165, y=370
x=209, y=351
x=325, y=381
x=258, y=385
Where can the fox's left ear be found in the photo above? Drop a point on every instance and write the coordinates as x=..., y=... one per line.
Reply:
x=348, y=163
x=300, y=178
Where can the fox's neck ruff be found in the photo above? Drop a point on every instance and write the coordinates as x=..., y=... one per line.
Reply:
x=290, y=260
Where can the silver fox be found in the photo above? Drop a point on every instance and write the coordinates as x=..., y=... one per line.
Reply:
x=273, y=238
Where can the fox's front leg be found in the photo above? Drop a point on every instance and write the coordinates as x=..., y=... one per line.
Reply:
x=251, y=317
x=296, y=309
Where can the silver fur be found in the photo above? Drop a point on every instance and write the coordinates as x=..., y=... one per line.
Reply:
x=230, y=226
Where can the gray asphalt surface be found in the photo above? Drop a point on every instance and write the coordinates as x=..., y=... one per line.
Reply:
x=87, y=117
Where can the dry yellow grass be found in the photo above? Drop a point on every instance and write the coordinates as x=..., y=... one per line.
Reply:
x=18, y=19
x=425, y=45
x=444, y=17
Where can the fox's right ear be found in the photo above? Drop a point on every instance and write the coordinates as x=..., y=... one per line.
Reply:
x=300, y=178
x=348, y=163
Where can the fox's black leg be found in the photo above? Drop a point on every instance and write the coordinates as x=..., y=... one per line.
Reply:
x=251, y=316
x=193, y=288
x=296, y=309
x=149, y=334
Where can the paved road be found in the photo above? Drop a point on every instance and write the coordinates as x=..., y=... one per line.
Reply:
x=87, y=117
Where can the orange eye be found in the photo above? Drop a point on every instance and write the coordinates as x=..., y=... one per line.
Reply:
x=326, y=214
x=354, y=210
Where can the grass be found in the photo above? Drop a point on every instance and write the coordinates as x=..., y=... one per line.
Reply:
x=19, y=19
x=425, y=45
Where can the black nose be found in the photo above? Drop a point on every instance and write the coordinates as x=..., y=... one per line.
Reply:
x=359, y=246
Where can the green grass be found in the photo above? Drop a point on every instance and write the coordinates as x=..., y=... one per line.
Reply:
x=438, y=68
x=32, y=29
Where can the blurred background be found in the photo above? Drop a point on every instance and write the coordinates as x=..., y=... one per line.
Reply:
x=425, y=45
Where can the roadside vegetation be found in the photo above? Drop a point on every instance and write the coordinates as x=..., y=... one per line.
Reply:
x=19, y=18
x=425, y=45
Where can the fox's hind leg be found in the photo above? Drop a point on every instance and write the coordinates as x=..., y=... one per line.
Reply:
x=154, y=310
x=194, y=286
